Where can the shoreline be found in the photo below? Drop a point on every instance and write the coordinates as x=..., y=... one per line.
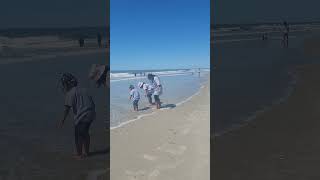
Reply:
x=292, y=83
x=155, y=112
x=171, y=144
x=13, y=60
x=161, y=109
x=281, y=143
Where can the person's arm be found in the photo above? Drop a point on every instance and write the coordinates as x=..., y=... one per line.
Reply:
x=65, y=115
x=146, y=92
x=157, y=80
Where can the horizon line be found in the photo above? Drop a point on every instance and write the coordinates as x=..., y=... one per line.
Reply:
x=266, y=22
x=66, y=27
x=159, y=69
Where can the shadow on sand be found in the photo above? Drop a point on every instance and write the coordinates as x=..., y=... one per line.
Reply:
x=169, y=106
x=144, y=109
x=100, y=152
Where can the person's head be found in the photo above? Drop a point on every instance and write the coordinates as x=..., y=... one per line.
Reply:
x=140, y=84
x=131, y=87
x=150, y=76
x=68, y=81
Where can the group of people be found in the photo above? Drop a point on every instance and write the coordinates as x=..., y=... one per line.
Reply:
x=82, y=105
x=285, y=36
x=154, y=88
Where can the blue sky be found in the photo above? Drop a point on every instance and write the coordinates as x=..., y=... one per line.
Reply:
x=159, y=34
x=53, y=13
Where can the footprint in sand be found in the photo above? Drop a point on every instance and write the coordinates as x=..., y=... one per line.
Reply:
x=153, y=174
x=172, y=149
x=150, y=157
x=135, y=175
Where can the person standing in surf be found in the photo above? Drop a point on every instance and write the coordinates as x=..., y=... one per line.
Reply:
x=100, y=74
x=134, y=97
x=79, y=100
x=148, y=89
x=99, y=39
x=286, y=34
x=155, y=81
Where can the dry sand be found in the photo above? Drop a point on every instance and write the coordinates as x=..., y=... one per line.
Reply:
x=283, y=143
x=170, y=144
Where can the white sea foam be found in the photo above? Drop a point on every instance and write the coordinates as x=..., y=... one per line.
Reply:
x=129, y=76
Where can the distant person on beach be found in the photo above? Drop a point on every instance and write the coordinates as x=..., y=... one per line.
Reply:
x=148, y=89
x=81, y=42
x=84, y=112
x=264, y=36
x=286, y=34
x=155, y=81
x=134, y=97
x=99, y=38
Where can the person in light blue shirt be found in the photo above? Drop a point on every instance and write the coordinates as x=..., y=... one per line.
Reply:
x=135, y=97
x=83, y=107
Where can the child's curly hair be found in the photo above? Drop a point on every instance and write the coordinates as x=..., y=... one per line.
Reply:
x=68, y=81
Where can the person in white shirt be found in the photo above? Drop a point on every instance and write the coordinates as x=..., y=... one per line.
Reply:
x=135, y=97
x=155, y=81
x=100, y=74
x=82, y=104
x=148, y=89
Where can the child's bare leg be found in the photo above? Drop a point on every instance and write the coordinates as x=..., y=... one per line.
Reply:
x=86, y=145
x=77, y=142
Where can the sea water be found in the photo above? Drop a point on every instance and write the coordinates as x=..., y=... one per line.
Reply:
x=251, y=75
x=178, y=85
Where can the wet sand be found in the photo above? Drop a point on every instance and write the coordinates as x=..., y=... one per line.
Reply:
x=282, y=143
x=170, y=144
x=33, y=147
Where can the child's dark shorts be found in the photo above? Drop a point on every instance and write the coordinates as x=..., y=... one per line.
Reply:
x=82, y=128
x=135, y=103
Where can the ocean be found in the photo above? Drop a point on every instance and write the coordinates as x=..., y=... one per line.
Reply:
x=252, y=75
x=178, y=85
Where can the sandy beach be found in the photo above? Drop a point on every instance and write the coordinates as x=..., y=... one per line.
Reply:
x=38, y=149
x=169, y=144
x=282, y=143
